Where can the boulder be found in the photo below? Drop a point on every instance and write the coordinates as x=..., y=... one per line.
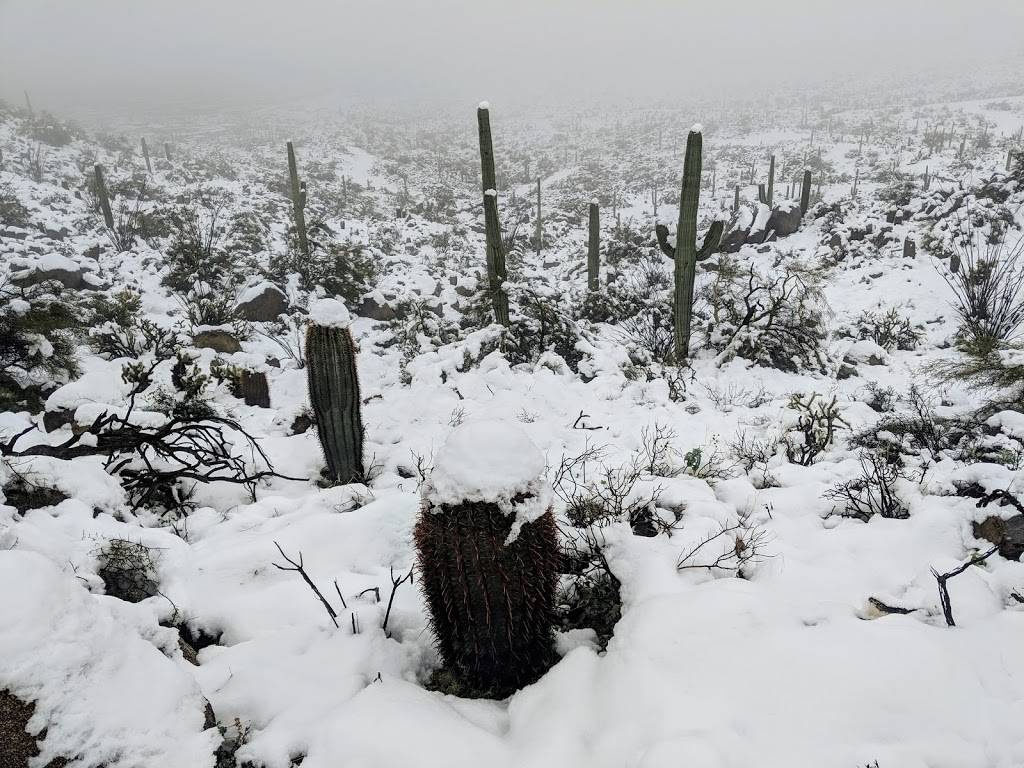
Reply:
x=1007, y=534
x=217, y=340
x=73, y=279
x=17, y=747
x=785, y=218
x=374, y=310
x=262, y=303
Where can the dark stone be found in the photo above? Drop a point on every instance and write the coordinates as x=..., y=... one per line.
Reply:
x=785, y=219
x=69, y=278
x=265, y=307
x=374, y=311
x=1008, y=535
x=301, y=423
x=54, y=420
x=846, y=371
x=17, y=747
x=217, y=340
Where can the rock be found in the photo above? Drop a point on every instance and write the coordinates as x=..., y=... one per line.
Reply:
x=865, y=352
x=54, y=420
x=262, y=304
x=847, y=371
x=785, y=218
x=1007, y=534
x=734, y=240
x=301, y=423
x=70, y=278
x=17, y=747
x=375, y=311
x=217, y=340
x=56, y=234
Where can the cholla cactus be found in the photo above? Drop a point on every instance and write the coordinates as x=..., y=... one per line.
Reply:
x=488, y=559
x=334, y=391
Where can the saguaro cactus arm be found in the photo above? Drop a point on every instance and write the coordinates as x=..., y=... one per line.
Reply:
x=712, y=240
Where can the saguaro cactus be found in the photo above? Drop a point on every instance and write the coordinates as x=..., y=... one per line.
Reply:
x=252, y=387
x=594, y=247
x=101, y=193
x=496, y=273
x=145, y=154
x=685, y=253
x=334, y=395
x=805, y=192
x=540, y=222
x=771, y=181
x=488, y=559
x=167, y=151
x=298, y=191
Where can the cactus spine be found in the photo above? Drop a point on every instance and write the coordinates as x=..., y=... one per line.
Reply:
x=594, y=247
x=805, y=193
x=496, y=273
x=145, y=154
x=298, y=190
x=101, y=193
x=334, y=395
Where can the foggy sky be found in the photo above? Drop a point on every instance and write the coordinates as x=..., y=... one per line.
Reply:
x=88, y=56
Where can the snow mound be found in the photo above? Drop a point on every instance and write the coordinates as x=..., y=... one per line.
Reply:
x=101, y=691
x=491, y=462
x=330, y=313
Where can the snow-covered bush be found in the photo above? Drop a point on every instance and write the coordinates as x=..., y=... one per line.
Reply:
x=38, y=330
x=813, y=431
x=889, y=330
x=774, y=317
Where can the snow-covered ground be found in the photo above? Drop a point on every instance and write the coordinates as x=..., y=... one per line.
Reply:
x=784, y=659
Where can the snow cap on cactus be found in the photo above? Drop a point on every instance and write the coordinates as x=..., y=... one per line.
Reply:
x=484, y=105
x=697, y=128
x=490, y=462
x=330, y=313
x=594, y=201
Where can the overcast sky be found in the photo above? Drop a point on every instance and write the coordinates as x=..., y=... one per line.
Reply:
x=139, y=54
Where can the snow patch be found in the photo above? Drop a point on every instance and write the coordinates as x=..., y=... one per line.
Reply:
x=330, y=313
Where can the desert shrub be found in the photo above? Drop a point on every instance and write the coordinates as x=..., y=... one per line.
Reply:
x=118, y=329
x=897, y=188
x=988, y=288
x=347, y=270
x=12, y=212
x=872, y=492
x=754, y=454
x=49, y=130
x=418, y=329
x=889, y=330
x=915, y=429
x=816, y=422
x=774, y=317
x=541, y=321
x=38, y=333
x=880, y=399
x=195, y=256
x=128, y=570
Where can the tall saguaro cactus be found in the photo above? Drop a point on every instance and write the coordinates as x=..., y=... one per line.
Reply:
x=298, y=191
x=167, y=151
x=496, y=273
x=805, y=193
x=334, y=395
x=771, y=181
x=686, y=243
x=594, y=247
x=101, y=193
x=145, y=154
x=540, y=222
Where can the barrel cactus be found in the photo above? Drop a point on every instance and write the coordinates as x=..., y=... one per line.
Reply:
x=334, y=391
x=488, y=558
